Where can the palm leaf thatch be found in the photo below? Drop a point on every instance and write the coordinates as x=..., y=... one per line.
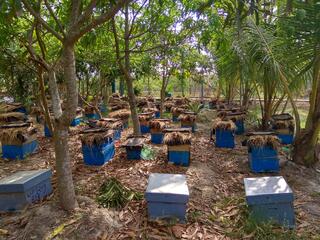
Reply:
x=145, y=117
x=9, y=107
x=218, y=123
x=177, y=110
x=122, y=114
x=109, y=124
x=95, y=137
x=177, y=138
x=157, y=125
x=264, y=141
x=17, y=135
x=149, y=109
x=187, y=117
x=12, y=117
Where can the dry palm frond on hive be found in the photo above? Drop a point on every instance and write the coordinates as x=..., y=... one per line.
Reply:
x=168, y=105
x=218, y=123
x=157, y=125
x=122, y=114
x=12, y=117
x=142, y=102
x=187, y=117
x=17, y=135
x=177, y=138
x=150, y=99
x=181, y=101
x=95, y=138
x=283, y=124
x=9, y=107
x=89, y=109
x=177, y=110
x=109, y=124
x=145, y=117
x=149, y=109
x=263, y=141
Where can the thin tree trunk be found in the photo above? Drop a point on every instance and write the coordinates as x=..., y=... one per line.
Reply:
x=126, y=71
x=307, y=140
x=44, y=99
x=66, y=190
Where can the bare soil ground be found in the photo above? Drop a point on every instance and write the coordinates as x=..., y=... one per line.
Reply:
x=215, y=181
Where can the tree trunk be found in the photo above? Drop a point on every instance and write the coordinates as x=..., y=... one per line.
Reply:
x=63, y=166
x=162, y=98
x=129, y=80
x=61, y=126
x=306, y=142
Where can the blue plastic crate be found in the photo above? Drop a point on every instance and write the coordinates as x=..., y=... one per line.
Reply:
x=167, y=196
x=133, y=153
x=21, y=109
x=157, y=114
x=270, y=199
x=224, y=138
x=23, y=188
x=117, y=134
x=175, y=119
x=157, y=138
x=240, y=127
x=98, y=155
x=75, y=122
x=187, y=125
x=19, y=151
x=178, y=156
x=263, y=159
x=103, y=108
x=47, y=132
x=92, y=116
x=286, y=138
x=144, y=129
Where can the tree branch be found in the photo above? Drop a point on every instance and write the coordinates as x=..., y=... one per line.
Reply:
x=54, y=17
x=41, y=20
x=87, y=12
x=101, y=19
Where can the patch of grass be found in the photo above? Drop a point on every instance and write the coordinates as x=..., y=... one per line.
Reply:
x=232, y=214
x=194, y=215
x=113, y=194
x=315, y=194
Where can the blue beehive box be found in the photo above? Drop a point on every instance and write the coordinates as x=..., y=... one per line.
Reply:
x=117, y=134
x=21, y=109
x=92, y=116
x=224, y=138
x=144, y=129
x=23, y=188
x=157, y=137
x=179, y=154
x=97, y=155
x=263, y=159
x=125, y=125
x=103, y=108
x=47, y=132
x=75, y=122
x=191, y=125
x=240, y=127
x=286, y=138
x=134, y=147
x=19, y=151
x=270, y=199
x=175, y=118
x=167, y=196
